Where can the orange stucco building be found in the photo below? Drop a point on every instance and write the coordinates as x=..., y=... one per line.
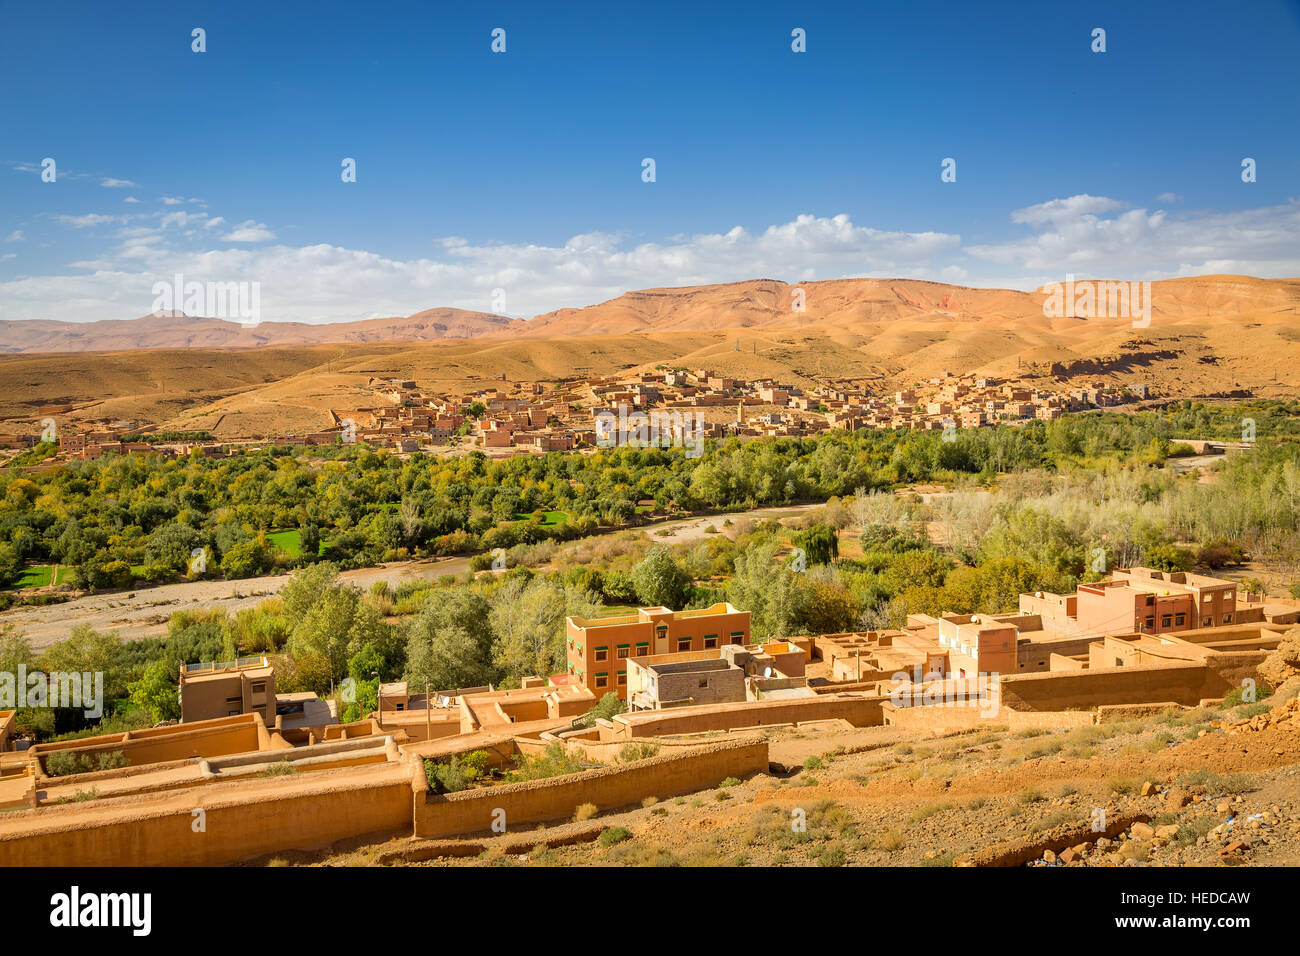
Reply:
x=227, y=688
x=1155, y=602
x=597, y=649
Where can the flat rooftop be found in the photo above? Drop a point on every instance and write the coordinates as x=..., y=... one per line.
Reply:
x=252, y=666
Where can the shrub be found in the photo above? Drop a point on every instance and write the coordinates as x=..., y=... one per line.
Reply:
x=555, y=762
x=890, y=841
x=584, y=812
x=61, y=763
x=459, y=772
x=637, y=750
x=606, y=707
x=614, y=835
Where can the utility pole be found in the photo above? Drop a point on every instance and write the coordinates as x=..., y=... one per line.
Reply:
x=428, y=715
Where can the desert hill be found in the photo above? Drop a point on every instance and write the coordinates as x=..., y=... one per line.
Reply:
x=830, y=307
x=179, y=331
x=1209, y=336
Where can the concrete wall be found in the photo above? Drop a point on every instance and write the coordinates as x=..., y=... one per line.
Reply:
x=471, y=811
x=949, y=719
x=215, y=738
x=1083, y=690
x=243, y=820
x=861, y=710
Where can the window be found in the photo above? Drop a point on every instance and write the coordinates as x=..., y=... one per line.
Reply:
x=622, y=678
x=1166, y=620
x=704, y=682
x=624, y=651
x=642, y=649
x=710, y=640
x=1119, y=662
x=1227, y=619
x=1149, y=623
x=259, y=687
x=234, y=701
x=602, y=653
x=683, y=644
x=1207, y=622
x=1180, y=619
x=737, y=637
x=602, y=679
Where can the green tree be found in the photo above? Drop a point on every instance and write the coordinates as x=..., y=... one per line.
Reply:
x=659, y=580
x=819, y=543
x=156, y=693
x=1168, y=557
x=607, y=707
x=449, y=642
x=774, y=595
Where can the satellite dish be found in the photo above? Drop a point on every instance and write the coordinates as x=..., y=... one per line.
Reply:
x=767, y=672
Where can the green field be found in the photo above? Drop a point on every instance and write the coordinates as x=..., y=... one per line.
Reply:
x=38, y=576
x=287, y=541
x=548, y=517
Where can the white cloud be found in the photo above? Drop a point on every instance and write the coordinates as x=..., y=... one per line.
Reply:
x=1058, y=210
x=130, y=199
x=249, y=231
x=83, y=222
x=111, y=183
x=1086, y=235
x=1138, y=244
x=1169, y=198
x=15, y=236
x=172, y=200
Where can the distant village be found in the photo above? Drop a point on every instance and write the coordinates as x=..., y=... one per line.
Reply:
x=537, y=417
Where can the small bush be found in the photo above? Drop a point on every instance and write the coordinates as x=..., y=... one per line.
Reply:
x=637, y=750
x=584, y=812
x=61, y=763
x=890, y=841
x=613, y=835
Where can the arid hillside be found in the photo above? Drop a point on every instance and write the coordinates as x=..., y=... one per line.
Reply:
x=1211, y=336
x=179, y=331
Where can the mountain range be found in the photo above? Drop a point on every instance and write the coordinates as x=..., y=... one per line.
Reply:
x=842, y=305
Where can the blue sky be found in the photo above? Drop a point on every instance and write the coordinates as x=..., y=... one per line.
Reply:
x=521, y=171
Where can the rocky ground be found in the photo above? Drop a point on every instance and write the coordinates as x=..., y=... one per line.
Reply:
x=1204, y=787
